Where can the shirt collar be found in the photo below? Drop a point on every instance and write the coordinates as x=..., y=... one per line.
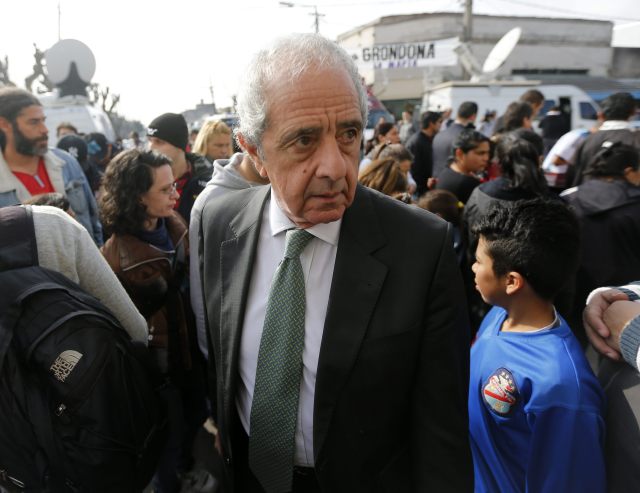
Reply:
x=279, y=222
x=615, y=125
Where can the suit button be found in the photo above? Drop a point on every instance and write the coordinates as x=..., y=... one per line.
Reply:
x=227, y=461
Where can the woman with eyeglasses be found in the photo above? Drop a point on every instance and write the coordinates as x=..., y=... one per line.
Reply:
x=148, y=250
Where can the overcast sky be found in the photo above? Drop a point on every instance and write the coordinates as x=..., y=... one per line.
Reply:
x=163, y=55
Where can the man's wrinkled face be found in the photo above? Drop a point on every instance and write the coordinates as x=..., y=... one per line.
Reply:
x=30, y=134
x=310, y=148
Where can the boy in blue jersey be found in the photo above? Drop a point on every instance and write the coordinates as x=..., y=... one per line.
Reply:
x=535, y=407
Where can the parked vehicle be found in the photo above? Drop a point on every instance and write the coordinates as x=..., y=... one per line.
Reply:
x=496, y=96
x=78, y=111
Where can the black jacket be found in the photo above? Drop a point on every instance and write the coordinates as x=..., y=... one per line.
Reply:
x=592, y=144
x=419, y=145
x=609, y=215
x=201, y=171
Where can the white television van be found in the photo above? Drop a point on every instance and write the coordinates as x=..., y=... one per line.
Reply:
x=77, y=110
x=496, y=96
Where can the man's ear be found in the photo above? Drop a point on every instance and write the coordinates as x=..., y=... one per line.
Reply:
x=514, y=282
x=252, y=150
x=5, y=125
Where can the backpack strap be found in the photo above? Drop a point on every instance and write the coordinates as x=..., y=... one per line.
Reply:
x=18, y=246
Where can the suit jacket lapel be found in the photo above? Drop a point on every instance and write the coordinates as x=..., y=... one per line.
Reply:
x=357, y=280
x=237, y=256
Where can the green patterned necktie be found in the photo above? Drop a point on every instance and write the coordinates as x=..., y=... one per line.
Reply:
x=274, y=409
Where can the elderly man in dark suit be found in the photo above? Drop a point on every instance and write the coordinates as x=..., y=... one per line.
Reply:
x=343, y=366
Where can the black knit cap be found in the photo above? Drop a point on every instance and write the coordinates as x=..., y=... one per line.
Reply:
x=74, y=145
x=171, y=128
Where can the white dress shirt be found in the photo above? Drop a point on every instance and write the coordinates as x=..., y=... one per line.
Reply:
x=318, y=260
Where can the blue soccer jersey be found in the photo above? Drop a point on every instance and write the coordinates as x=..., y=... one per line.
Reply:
x=535, y=412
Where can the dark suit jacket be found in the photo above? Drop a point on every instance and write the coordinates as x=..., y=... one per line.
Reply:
x=390, y=410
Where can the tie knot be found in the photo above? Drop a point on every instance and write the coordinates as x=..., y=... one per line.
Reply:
x=297, y=239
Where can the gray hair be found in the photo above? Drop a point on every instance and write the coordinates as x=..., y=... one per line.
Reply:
x=289, y=58
x=13, y=100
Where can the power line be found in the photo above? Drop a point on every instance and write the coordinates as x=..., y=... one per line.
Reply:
x=582, y=14
x=454, y=5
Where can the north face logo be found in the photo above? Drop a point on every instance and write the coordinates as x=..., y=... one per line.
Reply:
x=64, y=364
x=73, y=151
x=151, y=131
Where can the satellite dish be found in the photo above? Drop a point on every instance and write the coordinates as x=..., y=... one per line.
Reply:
x=501, y=51
x=65, y=53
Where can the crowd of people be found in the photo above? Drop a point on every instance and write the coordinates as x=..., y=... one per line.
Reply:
x=297, y=297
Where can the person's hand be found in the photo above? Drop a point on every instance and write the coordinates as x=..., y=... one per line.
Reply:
x=594, y=325
x=218, y=444
x=616, y=318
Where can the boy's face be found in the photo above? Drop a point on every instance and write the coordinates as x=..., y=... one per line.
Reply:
x=491, y=287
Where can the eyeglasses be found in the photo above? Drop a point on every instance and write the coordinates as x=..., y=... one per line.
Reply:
x=171, y=189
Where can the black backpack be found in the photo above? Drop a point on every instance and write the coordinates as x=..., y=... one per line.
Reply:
x=80, y=406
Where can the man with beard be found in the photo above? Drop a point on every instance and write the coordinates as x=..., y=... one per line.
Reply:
x=28, y=167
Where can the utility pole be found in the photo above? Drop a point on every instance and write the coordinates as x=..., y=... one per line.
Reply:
x=317, y=18
x=316, y=14
x=59, y=15
x=467, y=29
x=467, y=21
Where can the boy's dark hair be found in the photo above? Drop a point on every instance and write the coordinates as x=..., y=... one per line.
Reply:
x=442, y=202
x=533, y=97
x=467, y=109
x=429, y=117
x=469, y=139
x=539, y=239
x=619, y=106
x=515, y=114
x=612, y=159
x=13, y=100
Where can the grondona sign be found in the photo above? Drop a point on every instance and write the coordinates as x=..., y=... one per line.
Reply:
x=402, y=55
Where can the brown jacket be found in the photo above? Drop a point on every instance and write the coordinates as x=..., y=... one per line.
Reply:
x=154, y=280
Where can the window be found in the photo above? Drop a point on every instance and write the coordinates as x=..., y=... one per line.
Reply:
x=587, y=111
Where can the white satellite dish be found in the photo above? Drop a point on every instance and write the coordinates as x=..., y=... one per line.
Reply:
x=501, y=51
x=65, y=52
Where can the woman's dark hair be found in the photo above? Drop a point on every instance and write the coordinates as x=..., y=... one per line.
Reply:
x=612, y=159
x=515, y=114
x=531, y=137
x=129, y=175
x=381, y=129
x=518, y=156
x=385, y=176
x=468, y=140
